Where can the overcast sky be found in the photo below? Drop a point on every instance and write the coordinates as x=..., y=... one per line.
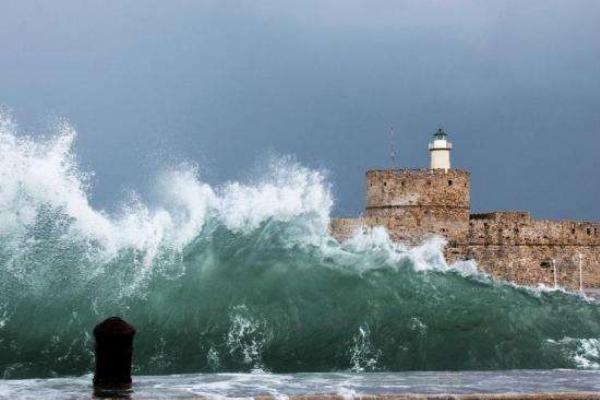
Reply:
x=222, y=83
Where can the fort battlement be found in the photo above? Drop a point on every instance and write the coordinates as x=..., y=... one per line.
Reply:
x=413, y=204
x=514, y=216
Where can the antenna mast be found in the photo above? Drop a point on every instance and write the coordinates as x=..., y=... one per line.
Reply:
x=392, y=148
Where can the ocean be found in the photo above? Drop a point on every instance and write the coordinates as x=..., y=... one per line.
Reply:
x=222, y=280
x=349, y=385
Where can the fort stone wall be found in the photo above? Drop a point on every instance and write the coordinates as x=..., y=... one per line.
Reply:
x=345, y=228
x=413, y=204
x=533, y=265
x=515, y=247
x=518, y=228
x=417, y=187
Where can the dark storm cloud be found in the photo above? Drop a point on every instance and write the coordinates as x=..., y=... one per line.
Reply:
x=517, y=85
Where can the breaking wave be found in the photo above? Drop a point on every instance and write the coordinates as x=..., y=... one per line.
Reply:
x=245, y=276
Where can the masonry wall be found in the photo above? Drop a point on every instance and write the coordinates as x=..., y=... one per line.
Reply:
x=418, y=187
x=414, y=224
x=345, y=228
x=413, y=204
x=515, y=247
x=532, y=265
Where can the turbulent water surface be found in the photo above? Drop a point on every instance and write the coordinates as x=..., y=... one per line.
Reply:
x=282, y=386
x=244, y=276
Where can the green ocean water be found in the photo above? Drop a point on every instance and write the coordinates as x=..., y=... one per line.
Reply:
x=244, y=276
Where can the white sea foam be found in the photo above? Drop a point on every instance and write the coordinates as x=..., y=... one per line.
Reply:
x=43, y=173
x=424, y=257
x=585, y=352
x=349, y=386
x=588, y=355
x=247, y=337
x=3, y=319
x=363, y=355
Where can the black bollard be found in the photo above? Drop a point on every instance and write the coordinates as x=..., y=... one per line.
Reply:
x=114, y=350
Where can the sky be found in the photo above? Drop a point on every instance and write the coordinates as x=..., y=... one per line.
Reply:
x=224, y=84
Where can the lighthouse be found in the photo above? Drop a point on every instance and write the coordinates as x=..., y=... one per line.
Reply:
x=440, y=147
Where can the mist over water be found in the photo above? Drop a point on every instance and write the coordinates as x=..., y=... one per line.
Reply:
x=245, y=276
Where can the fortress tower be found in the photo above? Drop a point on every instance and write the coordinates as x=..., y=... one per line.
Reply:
x=413, y=204
x=440, y=148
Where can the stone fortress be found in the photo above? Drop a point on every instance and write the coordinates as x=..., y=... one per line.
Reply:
x=511, y=245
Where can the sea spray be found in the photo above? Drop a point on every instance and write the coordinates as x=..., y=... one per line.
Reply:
x=246, y=338
x=363, y=356
x=245, y=276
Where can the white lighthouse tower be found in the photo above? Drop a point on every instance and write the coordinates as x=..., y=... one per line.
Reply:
x=440, y=147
